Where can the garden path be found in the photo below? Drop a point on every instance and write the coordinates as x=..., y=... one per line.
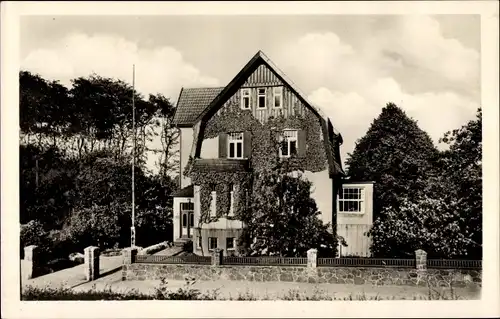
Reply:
x=70, y=277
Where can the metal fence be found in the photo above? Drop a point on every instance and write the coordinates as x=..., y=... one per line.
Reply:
x=265, y=261
x=159, y=259
x=365, y=262
x=302, y=261
x=454, y=264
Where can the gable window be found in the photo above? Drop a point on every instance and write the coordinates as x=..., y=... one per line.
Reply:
x=230, y=243
x=212, y=243
x=235, y=145
x=245, y=99
x=278, y=97
x=261, y=98
x=288, y=143
x=351, y=200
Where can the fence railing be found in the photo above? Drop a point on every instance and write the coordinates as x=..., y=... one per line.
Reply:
x=454, y=264
x=265, y=261
x=159, y=259
x=302, y=261
x=365, y=262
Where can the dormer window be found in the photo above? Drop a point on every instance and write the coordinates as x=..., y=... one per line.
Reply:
x=288, y=143
x=261, y=98
x=245, y=99
x=235, y=145
x=278, y=97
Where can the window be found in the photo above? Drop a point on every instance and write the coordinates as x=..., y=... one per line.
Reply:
x=230, y=243
x=278, y=96
x=288, y=143
x=199, y=242
x=191, y=220
x=351, y=200
x=212, y=243
x=261, y=98
x=184, y=220
x=245, y=99
x=187, y=206
x=235, y=145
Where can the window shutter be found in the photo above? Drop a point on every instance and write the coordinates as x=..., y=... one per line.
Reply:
x=302, y=141
x=247, y=144
x=223, y=145
x=277, y=140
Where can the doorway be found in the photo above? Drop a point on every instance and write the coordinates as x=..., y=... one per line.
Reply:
x=187, y=220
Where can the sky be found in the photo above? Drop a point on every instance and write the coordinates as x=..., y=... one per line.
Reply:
x=349, y=66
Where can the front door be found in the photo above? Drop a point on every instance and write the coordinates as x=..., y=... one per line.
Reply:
x=187, y=220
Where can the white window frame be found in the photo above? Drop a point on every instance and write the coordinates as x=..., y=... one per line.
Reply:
x=278, y=92
x=234, y=243
x=288, y=136
x=259, y=95
x=235, y=138
x=216, y=243
x=361, y=200
x=245, y=94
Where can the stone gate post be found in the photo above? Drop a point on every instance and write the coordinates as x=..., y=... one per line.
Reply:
x=91, y=265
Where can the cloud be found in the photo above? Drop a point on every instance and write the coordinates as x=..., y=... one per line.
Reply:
x=353, y=112
x=407, y=60
x=158, y=70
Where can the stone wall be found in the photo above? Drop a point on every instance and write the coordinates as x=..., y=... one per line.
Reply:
x=334, y=275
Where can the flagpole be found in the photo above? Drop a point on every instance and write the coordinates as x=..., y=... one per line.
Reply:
x=132, y=229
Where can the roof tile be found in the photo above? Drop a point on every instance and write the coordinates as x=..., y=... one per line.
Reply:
x=192, y=102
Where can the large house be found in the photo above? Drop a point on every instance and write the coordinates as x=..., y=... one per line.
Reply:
x=228, y=133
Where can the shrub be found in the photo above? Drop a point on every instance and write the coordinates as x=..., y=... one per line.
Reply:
x=33, y=233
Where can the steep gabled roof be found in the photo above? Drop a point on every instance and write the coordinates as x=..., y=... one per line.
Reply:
x=331, y=138
x=191, y=103
x=258, y=59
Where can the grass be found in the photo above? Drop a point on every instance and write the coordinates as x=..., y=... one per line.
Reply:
x=188, y=292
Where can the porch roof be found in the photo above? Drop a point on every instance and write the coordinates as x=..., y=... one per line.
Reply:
x=187, y=191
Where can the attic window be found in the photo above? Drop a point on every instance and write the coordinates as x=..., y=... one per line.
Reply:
x=245, y=99
x=261, y=98
x=278, y=96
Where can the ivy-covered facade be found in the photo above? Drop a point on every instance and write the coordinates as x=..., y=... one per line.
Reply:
x=231, y=135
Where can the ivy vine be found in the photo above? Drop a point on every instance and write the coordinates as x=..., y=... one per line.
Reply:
x=264, y=155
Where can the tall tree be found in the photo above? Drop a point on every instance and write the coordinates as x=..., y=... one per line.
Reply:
x=169, y=137
x=396, y=154
x=283, y=219
x=445, y=216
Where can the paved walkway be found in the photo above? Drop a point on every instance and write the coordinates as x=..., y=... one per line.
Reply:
x=71, y=277
x=270, y=290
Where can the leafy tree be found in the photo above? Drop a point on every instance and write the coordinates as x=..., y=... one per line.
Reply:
x=396, y=154
x=96, y=226
x=444, y=217
x=283, y=218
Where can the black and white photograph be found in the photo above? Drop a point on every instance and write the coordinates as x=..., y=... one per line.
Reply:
x=258, y=156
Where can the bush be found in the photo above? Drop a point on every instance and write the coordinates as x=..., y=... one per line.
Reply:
x=33, y=233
